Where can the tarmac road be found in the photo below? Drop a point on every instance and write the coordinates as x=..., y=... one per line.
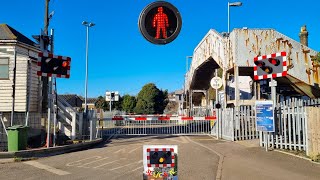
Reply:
x=200, y=158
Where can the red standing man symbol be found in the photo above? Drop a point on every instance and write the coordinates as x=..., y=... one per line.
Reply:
x=160, y=21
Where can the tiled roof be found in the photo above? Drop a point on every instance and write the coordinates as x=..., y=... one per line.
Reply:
x=67, y=96
x=91, y=100
x=8, y=33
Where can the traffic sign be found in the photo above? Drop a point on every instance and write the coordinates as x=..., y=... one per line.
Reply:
x=264, y=116
x=216, y=82
x=160, y=22
x=50, y=65
x=270, y=66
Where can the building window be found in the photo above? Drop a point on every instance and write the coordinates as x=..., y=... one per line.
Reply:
x=4, y=68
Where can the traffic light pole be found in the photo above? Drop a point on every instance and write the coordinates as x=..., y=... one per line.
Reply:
x=44, y=48
x=53, y=99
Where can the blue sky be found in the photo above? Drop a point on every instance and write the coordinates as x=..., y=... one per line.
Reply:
x=121, y=59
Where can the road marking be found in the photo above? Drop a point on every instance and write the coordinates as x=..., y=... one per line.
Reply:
x=83, y=165
x=221, y=157
x=109, y=163
x=133, y=150
x=135, y=169
x=47, y=168
x=184, y=139
x=181, y=139
x=120, y=150
x=78, y=162
x=205, y=139
x=125, y=165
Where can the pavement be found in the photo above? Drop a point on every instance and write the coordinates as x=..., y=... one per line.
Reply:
x=200, y=158
x=44, y=152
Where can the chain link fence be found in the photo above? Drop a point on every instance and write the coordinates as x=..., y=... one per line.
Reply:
x=35, y=121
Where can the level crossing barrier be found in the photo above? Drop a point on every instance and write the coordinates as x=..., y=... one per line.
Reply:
x=155, y=125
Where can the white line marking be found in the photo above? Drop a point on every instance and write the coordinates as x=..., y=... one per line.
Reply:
x=136, y=169
x=181, y=139
x=47, y=168
x=133, y=150
x=109, y=163
x=184, y=139
x=125, y=165
x=83, y=165
x=221, y=157
x=77, y=163
x=120, y=150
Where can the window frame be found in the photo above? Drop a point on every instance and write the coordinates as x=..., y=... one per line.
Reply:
x=8, y=64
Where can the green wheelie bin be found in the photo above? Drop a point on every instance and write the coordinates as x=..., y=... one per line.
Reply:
x=17, y=138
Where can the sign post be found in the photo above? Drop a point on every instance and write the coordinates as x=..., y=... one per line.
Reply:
x=265, y=118
x=269, y=67
x=216, y=83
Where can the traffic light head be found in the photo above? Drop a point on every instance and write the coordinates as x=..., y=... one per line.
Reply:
x=270, y=66
x=160, y=22
x=53, y=66
x=163, y=157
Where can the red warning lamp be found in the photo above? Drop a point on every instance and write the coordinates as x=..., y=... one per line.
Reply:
x=65, y=64
x=259, y=63
x=275, y=62
x=160, y=22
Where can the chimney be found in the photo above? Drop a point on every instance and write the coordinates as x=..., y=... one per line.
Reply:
x=304, y=35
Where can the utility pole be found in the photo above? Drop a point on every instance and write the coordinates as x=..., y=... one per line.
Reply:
x=46, y=82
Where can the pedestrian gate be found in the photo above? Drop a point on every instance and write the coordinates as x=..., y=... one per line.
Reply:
x=155, y=125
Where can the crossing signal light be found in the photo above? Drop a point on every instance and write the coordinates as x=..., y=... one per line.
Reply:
x=275, y=62
x=160, y=22
x=270, y=66
x=161, y=157
x=54, y=66
x=267, y=69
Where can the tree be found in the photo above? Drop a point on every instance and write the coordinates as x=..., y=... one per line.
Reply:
x=128, y=103
x=117, y=105
x=102, y=103
x=151, y=100
x=316, y=58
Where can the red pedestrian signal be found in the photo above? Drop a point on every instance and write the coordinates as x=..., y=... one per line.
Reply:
x=160, y=22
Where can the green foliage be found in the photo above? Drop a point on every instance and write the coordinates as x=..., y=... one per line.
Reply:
x=151, y=100
x=102, y=103
x=117, y=105
x=128, y=103
x=316, y=58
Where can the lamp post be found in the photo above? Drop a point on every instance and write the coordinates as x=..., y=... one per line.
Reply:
x=88, y=25
x=234, y=4
x=236, y=70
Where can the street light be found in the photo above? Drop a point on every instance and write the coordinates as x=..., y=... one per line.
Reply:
x=234, y=4
x=236, y=68
x=87, y=24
